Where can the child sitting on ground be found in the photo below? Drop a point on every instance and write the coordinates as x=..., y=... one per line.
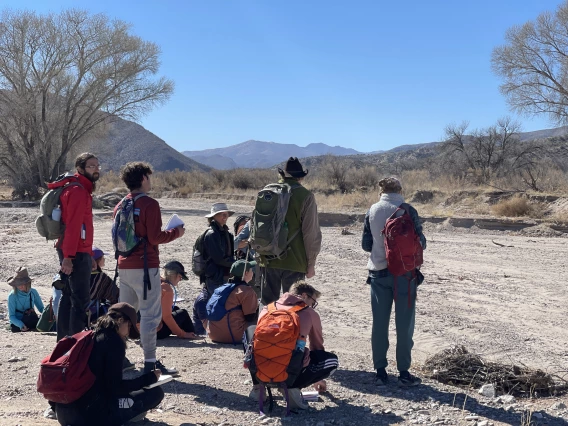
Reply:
x=103, y=289
x=21, y=302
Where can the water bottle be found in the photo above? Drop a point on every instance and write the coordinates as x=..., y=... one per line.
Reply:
x=56, y=214
x=300, y=345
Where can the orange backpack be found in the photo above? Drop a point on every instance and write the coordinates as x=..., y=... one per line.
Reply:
x=274, y=342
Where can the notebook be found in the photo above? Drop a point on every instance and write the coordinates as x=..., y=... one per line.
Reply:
x=164, y=378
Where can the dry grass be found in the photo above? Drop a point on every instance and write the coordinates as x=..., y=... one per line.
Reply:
x=519, y=206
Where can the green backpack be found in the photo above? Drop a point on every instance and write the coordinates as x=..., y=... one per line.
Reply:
x=269, y=230
x=47, y=226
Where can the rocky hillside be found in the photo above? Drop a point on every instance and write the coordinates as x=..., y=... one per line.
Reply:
x=257, y=154
x=126, y=141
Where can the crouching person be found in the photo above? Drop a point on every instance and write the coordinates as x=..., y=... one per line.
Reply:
x=309, y=363
x=233, y=306
x=174, y=320
x=112, y=401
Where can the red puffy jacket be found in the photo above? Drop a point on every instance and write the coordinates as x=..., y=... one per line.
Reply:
x=77, y=215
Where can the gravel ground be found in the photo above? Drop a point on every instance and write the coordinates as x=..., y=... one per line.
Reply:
x=506, y=303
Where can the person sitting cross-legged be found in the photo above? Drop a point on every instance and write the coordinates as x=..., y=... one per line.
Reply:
x=240, y=305
x=174, y=320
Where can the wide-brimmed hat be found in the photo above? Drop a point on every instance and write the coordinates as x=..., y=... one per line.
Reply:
x=219, y=208
x=98, y=253
x=20, y=278
x=129, y=312
x=239, y=268
x=293, y=168
x=176, y=266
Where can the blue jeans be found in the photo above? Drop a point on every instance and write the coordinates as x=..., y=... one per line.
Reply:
x=385, y=288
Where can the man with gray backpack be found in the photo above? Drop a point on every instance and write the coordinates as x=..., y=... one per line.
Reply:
x=285, y=232
x=67, y=215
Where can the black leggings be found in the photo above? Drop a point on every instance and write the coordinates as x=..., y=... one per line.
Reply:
x=67, y=415
x=322, y=364
x=182, y=318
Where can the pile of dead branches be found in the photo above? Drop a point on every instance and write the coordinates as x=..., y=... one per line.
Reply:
x=459, y=367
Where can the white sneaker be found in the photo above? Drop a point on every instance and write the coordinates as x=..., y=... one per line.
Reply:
x=49, y=414
x=296, y=400
x=255, y=393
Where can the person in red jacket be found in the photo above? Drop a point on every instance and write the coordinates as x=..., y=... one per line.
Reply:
x=148, y=225
x=74, y=247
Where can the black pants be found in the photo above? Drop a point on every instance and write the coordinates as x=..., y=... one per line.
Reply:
x=75, y=297
x=69, y=415
x=276, y=279
x=182, y=318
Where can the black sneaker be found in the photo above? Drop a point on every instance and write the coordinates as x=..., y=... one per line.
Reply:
x=407, y=380
x=127, y=365
x=382, y=378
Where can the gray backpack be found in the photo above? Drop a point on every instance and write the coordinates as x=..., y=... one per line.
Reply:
x=46, y=226
x=269, y=230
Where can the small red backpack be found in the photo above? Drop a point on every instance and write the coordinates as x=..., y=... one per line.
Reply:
x=402, y=243
x=65, y=376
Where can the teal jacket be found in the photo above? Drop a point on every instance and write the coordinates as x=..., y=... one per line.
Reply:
x=19, y=302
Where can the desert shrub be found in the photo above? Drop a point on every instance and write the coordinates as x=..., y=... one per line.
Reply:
x=364, y=177
x=519, y=206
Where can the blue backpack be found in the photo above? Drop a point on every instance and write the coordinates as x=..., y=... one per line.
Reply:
x=216, y=306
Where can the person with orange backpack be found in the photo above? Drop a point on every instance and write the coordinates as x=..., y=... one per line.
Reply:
x=276, y=351
x=393, y=236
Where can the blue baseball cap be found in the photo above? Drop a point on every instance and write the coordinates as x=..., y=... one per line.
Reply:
x=98, y=253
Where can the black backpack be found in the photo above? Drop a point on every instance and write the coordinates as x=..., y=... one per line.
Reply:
x=199, y=258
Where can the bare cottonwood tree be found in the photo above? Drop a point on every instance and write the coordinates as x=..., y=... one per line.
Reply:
x=534, y=65
x=62, y=76
x=489, y=152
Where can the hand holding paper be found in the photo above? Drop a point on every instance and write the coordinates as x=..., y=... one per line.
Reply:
x=174, y=222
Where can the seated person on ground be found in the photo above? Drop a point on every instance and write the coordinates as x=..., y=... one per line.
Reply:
x=109, y=401
x=240, y=305
x=317, y=364
x=200, y=311
x=103, y=289
x=21, y=302
x=174, y=320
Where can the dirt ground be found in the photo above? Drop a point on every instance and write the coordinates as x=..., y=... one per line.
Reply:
x=506, y=303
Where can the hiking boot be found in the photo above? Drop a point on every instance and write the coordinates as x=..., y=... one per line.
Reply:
x=296, y=399
x=255, y=393
x=407, y=380
x=127, y=365
x=381, y=378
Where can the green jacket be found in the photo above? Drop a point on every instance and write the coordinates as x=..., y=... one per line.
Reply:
x=305, y=247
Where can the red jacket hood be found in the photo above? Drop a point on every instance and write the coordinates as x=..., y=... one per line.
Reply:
x=85, y=182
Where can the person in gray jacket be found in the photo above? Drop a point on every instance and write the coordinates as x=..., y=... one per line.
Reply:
x=386, y=288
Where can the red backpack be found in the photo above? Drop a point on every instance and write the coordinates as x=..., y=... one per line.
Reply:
x=65, y=376
x=402, y=243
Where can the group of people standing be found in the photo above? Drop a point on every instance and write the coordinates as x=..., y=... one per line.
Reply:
x=277, y=283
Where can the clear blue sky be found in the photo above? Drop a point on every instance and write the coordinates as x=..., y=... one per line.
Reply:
x=368, y=75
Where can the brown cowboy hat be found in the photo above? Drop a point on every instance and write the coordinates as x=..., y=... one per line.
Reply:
x=20, y=278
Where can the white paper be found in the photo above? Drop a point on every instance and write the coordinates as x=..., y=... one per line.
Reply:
x=174, y=222
x=310, y=395
x=164, y=378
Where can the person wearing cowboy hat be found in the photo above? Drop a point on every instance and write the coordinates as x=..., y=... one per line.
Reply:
x=21, y=302
x=302, y=216
x=218, y=245
x=111, y=400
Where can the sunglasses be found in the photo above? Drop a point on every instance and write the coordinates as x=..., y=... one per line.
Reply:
x=315, y=302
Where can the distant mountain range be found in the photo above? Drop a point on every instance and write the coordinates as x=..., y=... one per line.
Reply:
x=127, y=141
x=257, y=154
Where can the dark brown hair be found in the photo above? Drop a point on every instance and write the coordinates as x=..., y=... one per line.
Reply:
x=132, y=174
x=81, y=160
x=110, y=322
x=302, y=287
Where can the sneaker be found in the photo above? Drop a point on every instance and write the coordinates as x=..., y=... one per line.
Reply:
x=382, y=378
x=127, y=365
x=50, y=414
x=296, y=400
x=407, y=380
x=151, y=366
x=255, y=393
